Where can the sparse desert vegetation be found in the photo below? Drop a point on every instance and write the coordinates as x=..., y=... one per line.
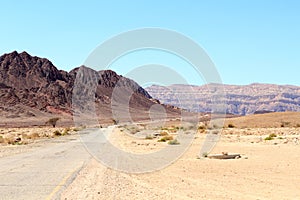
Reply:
x=193, y=169
x=21, y=136
x=185, y=177
x=166, y=138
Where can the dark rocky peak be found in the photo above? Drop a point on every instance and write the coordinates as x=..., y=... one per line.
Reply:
x=105, y=79
x=22, y=70
x=109, y=78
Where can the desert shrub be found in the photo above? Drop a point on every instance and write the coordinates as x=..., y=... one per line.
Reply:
x=66, y=131
x=1, y=139
x=231, y=126
x=30, y=136
x=53, y=121
x=166, y=138
x=11, y=140
x=271, y=136
x=57, y=133
x=149, y=137
x=202, y=128
x=173, y=142
x=76, y=129
x=164, y=133
x=297, y=125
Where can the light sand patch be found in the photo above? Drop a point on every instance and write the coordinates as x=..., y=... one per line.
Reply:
x=269, y=172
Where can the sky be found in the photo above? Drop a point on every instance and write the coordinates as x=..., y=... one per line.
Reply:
x=249, y=41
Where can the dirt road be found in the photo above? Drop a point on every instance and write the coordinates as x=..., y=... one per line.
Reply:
x=44, y=171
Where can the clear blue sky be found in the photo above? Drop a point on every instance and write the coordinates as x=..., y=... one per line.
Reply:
x=248, y=40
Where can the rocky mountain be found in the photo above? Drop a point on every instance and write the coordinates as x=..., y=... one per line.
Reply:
x=241, y=100
x=30, y=86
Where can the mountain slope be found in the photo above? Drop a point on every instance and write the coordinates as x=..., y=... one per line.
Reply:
x=240, y=100
x=31, y=86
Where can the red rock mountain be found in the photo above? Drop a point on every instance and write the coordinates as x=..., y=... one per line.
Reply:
x=30, y=85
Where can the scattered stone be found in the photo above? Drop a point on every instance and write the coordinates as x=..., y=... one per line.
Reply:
x=224, y=155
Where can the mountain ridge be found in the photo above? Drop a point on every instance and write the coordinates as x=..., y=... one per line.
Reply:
x=240, y=99
x=30, y=86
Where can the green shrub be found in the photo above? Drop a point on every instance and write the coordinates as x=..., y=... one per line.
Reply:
x=271, y=136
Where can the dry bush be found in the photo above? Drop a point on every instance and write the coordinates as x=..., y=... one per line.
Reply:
x=1, y=139
x=166, y=138
x=149, y=137
x=10, y=140
x=66, y=131
x=164, y=133
x=57, y=133
x=202, y=128
x=30, y=136
x=231, y=126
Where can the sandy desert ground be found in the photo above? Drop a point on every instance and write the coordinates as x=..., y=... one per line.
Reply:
x=268, y=169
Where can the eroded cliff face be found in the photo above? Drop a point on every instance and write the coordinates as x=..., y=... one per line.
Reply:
x=240, y=100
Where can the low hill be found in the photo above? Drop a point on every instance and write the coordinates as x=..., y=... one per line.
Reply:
x=268, y=120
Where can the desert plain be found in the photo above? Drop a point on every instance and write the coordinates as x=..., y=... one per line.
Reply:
x=268, y=167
